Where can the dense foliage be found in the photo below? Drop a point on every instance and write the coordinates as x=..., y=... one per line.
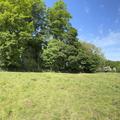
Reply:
x=36, y=38
x=114, y=65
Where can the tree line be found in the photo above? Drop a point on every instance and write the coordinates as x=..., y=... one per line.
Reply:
x=34, y=37
x=112, y=66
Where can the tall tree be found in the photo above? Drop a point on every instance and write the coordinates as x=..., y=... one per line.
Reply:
x=59, y=18
x=16, y=28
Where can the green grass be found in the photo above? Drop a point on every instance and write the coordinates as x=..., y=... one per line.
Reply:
x=57, y=96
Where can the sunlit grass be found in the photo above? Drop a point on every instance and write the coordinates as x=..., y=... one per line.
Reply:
x=59, y=96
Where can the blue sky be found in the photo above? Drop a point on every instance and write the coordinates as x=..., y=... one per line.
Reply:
x=97, y=22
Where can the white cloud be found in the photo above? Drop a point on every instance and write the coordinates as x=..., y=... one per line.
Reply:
x=113, y=38
x=110, y=45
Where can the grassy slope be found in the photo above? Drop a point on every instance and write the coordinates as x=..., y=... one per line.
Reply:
x=51, y=96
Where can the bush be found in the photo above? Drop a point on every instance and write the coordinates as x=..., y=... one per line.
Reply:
x=107, y=69
x=59, y=56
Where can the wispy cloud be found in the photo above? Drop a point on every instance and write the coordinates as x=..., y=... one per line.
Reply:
x=110, y=45
x=113, y=38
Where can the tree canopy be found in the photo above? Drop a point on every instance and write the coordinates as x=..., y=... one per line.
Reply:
x=34, y=37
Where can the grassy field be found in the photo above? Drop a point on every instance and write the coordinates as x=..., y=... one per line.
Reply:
x=57, y=96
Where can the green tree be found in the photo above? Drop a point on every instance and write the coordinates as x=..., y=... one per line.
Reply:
x=18, y=47
x=53, y=56
x=71, y=36
x=35, y=38
x=90, y=57
x=10, y=51
x=59, y=18
x=113, y=64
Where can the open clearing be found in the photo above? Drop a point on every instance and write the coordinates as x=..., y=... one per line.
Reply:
x=59, y=96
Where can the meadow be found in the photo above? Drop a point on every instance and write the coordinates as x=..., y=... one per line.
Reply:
x=59, y=96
